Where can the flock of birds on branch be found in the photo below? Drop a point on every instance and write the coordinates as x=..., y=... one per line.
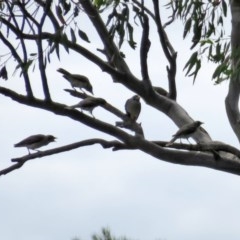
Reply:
x=89, y=103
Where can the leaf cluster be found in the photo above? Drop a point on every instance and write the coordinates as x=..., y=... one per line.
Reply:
x=204, y=21
x=119, y=24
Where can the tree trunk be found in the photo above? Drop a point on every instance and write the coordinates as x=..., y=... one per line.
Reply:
x=232, y=99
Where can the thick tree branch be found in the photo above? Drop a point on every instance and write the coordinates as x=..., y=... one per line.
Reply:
x=168, y=107
x=131, y=125
x=110, y=48
x=209, y=147
x=228, y=164
x=63, y=110
x=232, y=99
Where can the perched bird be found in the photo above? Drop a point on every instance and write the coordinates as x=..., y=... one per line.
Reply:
x=88, y=104
x=133, y=107
x=77, y=80
x=185, y=131
x=35, y=141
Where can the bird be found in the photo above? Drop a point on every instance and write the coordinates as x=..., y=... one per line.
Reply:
x=77, y=80
x=185, y=131
x=35, y=141
x=133, y=107
x=88, y=104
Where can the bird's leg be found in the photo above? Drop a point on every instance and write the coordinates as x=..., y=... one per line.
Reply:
x=74, y=88
x=28, y=151
x=92, y=114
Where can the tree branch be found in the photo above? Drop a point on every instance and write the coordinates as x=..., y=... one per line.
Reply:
x=193, y=158
x=61, y=109
x=209, y=147
x=20, y=63
x=145, y=46
x=115, y=145
x=110, y=48
x=131, y=125
x=232, y=99
x=40, y=53
x=169, y=52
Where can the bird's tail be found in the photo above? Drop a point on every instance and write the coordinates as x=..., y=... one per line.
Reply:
x=63, y=71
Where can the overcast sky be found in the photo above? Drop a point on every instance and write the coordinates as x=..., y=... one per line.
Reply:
x=76, y=193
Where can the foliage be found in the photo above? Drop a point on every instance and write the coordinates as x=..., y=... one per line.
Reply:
x=205, y=21
x=105, y=235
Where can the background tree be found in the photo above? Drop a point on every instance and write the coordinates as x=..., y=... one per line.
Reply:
x=105, y=235
x=43, y=30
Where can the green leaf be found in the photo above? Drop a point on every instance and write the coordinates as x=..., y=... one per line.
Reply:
x=224, y=7
x=65, y=42
x=27, y=65
x=66, y=6
x=220, y=69
x=83, y=35
x=206, y=41
x=198, y=67
x=190, y=63
x=73, y=36
x=57, y=50
x=187, y=27
x=197, y=31
x=4, y=73
x=131, y=41
x=121, y=33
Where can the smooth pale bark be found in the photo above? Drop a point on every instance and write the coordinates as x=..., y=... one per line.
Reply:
x=232, y=99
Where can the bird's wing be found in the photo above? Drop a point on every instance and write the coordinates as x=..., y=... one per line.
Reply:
x=81, y=78
x=186, y=129
x=30, y=140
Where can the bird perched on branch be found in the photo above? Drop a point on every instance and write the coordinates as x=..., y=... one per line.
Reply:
x=89, y=103
x=35, y=141
x=133, y=107
x=185, y=131
x=77, y=80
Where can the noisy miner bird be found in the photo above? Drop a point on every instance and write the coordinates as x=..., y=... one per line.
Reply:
x=185, y=131
x=133, y=107
x=89, y=103
x=77, y=80
x=35, y=141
